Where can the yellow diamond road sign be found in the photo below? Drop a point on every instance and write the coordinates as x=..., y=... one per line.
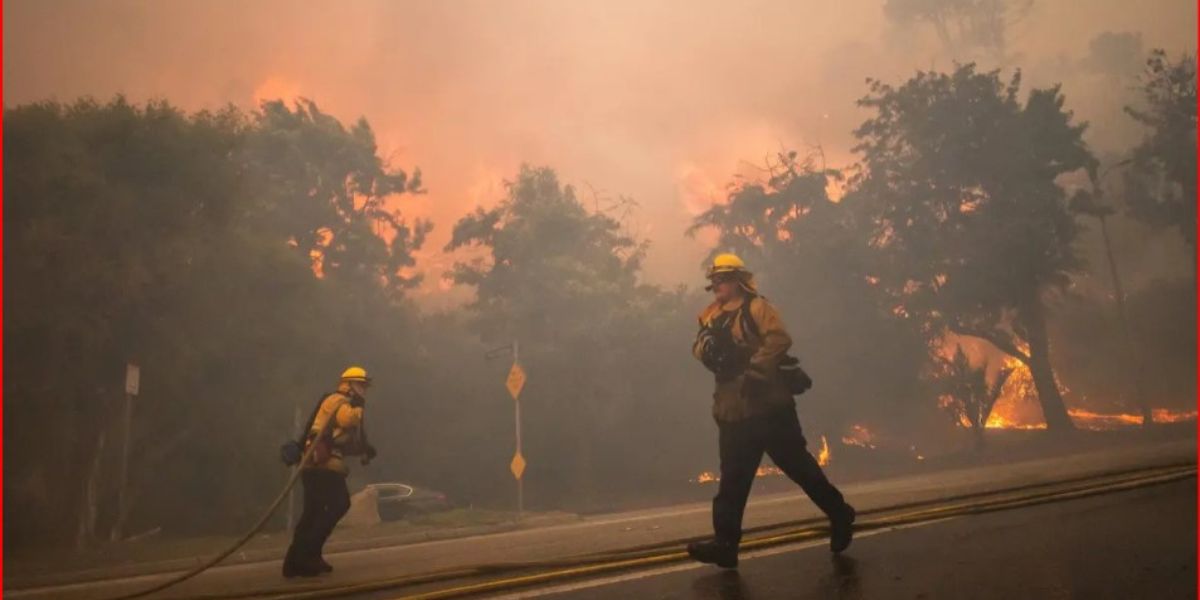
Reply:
x=517, y=465
x=516, y=380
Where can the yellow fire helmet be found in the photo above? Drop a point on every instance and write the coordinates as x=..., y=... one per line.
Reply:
x=730, y=265
x=356, y=374
x=726, y=263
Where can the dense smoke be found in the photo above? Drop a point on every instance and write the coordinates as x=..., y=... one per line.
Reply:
x=659, y=101
x=245, y=198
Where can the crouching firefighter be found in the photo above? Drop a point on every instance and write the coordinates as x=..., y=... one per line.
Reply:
x=337, y=430
x=742, y=340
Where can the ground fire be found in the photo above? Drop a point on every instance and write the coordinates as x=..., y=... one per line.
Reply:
x=824, y=456
x=859, y=435
x=1017, y=406
x=1012, y=410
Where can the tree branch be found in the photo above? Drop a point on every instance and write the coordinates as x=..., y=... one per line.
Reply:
x=996, y=338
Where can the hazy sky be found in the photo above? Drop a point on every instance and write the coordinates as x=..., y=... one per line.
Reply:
x=660, y=101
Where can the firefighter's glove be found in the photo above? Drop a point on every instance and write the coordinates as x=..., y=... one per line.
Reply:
x=706, y=341
x=711, y=354
x=720, y=354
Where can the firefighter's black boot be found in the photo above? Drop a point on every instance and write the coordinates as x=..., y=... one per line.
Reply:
x=841, y=529
x=300, y=569
x=722, y=554
x=325, y=566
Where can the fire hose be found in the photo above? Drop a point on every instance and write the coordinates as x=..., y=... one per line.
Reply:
x=262, y=522
x=522, y=574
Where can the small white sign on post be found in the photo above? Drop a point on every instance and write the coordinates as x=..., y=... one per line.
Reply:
x=133, y=377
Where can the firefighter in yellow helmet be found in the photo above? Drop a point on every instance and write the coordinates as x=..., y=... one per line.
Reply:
x=742, y=340
x=337, y=430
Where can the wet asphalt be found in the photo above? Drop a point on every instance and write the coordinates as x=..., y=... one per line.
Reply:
x=1137, y=544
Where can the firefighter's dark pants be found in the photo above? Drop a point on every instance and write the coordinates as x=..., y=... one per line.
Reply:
x=742, y=445
x=326, y=500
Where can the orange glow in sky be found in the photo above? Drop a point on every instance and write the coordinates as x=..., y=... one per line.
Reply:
x=662, y=101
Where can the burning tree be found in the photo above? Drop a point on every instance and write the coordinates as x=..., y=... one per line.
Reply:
x=963, y=391
x=971, y=229
x=323, y=187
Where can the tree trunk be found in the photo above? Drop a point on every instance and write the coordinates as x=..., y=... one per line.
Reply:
x=1053, y=408
x=1135, y=363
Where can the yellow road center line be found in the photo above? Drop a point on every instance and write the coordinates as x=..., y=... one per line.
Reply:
x=1128, y=482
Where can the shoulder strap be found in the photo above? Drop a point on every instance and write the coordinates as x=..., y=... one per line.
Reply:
x=313, y=417
x=749, y=325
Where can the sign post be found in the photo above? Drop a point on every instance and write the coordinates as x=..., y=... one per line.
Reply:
x=516, y=382
x=133, y=379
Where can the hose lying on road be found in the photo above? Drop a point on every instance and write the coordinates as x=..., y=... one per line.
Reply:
x=545, y=571
x=262, y=521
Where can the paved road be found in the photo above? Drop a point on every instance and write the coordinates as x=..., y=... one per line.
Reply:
x=1138, y=544
x=624, y=530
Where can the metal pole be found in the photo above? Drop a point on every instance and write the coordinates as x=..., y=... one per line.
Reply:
x=517, y=417
x=1101, y=212
x=122, y=492
x=520, y=480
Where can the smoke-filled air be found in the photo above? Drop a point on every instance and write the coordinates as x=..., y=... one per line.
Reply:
x=974, y=220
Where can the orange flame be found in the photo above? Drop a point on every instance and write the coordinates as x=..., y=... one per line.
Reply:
x=1166, y=415
x=1017, y=407
x=1012, y=410
x=860, y=436
x=1086, y=419
x=277, y=88
x=824, y=456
